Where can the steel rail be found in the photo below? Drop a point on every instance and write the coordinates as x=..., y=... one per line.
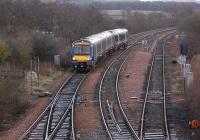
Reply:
x=25, y=134
x=66, y=110
x=49, y=122
x=153, y=31
x=146, y=96
x=52, y=109
x=49, y=108
x=100, y=89
x=73, y=108
x=101, y=83
x=164, y=94
x=100, y=95
x=71, y=105
x=147, y=92
x=119, y=101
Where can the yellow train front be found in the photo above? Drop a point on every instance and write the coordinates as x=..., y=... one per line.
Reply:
x=82, y=57
x=87, y=51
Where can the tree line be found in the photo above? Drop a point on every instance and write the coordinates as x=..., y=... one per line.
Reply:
x=147, y=6
x=62, y=19
x=28, y=27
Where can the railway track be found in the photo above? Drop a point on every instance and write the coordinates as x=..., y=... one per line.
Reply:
x=112, y=117
x=56, y=121
x=154, y=123
x=134, y=41
x=148, y=33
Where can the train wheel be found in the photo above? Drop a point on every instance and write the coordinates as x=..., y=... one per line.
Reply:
x=124, y=46
x=109, y=53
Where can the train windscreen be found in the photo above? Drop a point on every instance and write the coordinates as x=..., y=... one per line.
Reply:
x=81, y=50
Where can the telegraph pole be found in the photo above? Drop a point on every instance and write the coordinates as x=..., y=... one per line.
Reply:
x=31, y=77
x=38, y=70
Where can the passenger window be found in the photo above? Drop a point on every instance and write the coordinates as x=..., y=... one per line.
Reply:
x=116, y=38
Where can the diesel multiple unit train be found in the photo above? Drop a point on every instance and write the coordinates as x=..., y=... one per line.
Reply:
x=86, y=52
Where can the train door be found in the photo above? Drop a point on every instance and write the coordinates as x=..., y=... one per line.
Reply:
x=94, y=52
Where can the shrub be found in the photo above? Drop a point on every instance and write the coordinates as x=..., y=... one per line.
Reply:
x=193, y=97
x=21, y=49
x=11, y=101
x=44, y=46
x=191, y=23
x=191, y=26
x=4, y=52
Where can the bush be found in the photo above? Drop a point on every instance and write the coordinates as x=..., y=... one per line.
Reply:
x=139, y=22
x=4, y=52
x=193, y=97
x=21, y=49
x=11, y=101
x=191, y=26
x=191, y=23
x=44, y=46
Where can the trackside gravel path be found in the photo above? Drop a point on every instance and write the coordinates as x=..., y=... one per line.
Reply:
x=131, y=81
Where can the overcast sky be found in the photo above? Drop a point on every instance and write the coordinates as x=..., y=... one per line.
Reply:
x=158, y=0
x=174, y=0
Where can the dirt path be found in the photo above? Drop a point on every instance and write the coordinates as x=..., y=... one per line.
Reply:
x=132, y=82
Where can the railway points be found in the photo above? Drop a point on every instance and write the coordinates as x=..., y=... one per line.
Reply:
x=58, y=121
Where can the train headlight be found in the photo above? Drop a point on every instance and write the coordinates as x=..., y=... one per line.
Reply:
x=74, y=58
x=89, y=58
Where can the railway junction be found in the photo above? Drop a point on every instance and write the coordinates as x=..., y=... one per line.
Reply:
x=133, y=94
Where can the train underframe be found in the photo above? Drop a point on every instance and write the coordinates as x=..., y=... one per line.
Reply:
x=82, y=66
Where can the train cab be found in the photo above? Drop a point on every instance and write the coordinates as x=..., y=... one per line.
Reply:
x=82, y=54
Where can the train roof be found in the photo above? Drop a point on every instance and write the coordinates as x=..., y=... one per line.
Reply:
x=100, y=36
x=118, y=31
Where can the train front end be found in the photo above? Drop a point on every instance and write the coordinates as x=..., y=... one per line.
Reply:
x=82, y=58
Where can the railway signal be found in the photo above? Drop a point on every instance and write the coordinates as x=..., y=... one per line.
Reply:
x=194, y=124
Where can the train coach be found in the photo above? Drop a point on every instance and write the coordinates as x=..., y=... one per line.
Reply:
x=86, y=52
